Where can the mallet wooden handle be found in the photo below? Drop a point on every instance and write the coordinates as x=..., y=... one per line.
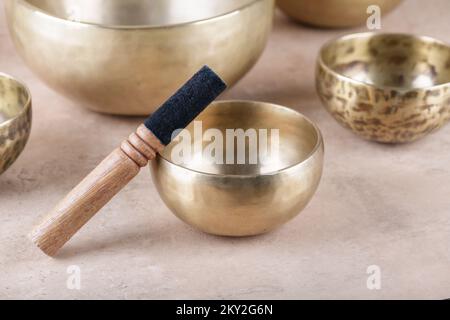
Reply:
x=91, y=194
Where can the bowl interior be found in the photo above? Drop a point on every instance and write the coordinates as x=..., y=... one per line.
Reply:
x=13, y=98
x=390, y=60
x=138, y=12
x=297, y=139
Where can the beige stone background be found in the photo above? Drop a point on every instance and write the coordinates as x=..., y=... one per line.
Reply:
x=376, y=205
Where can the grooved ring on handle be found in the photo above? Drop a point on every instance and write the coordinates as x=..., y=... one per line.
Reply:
x=133, y=154
x=149, y=138
x=142, y=146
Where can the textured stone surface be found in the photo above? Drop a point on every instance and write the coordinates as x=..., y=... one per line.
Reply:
x=376, y=205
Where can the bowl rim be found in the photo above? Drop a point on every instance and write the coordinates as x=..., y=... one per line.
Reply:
x=48, y=14
x=369, y=35
x=26, y=105
x=318, y=146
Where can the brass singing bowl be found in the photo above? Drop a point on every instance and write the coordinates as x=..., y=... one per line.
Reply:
x=333, y=13
x=249, y=198
x=15, y=119
x=389, y=88
x=127, y=57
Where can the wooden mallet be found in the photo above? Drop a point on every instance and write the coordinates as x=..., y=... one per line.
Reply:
x=124, y=163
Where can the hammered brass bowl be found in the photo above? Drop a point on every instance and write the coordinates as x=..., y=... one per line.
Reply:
x=333, y=13
x=127, y=57
x=15, y=119
x=386, y=87
x=248, y=198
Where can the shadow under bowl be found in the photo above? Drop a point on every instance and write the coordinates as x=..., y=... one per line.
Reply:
x=128, y=57
x=248, y=198
x=15, y=120
x=386, y=87
x=333, y=13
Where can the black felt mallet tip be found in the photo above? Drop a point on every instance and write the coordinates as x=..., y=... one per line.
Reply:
x=186, y=104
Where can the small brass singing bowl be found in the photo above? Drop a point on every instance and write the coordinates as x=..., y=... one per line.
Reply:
x=127, y=57
x=333, y=13
x=390, y=88
x=242, y=198
x=15, y=120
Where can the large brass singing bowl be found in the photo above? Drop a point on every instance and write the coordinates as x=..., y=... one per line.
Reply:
x=386, y=87
x=243, y=199
x=333, y=13
x=15, y=119
x=127, y=57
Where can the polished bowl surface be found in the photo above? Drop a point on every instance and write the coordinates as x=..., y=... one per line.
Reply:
x=127, y=57
x=386, y=87
x=15, y=119
x=243, y=199
x=333, y=13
